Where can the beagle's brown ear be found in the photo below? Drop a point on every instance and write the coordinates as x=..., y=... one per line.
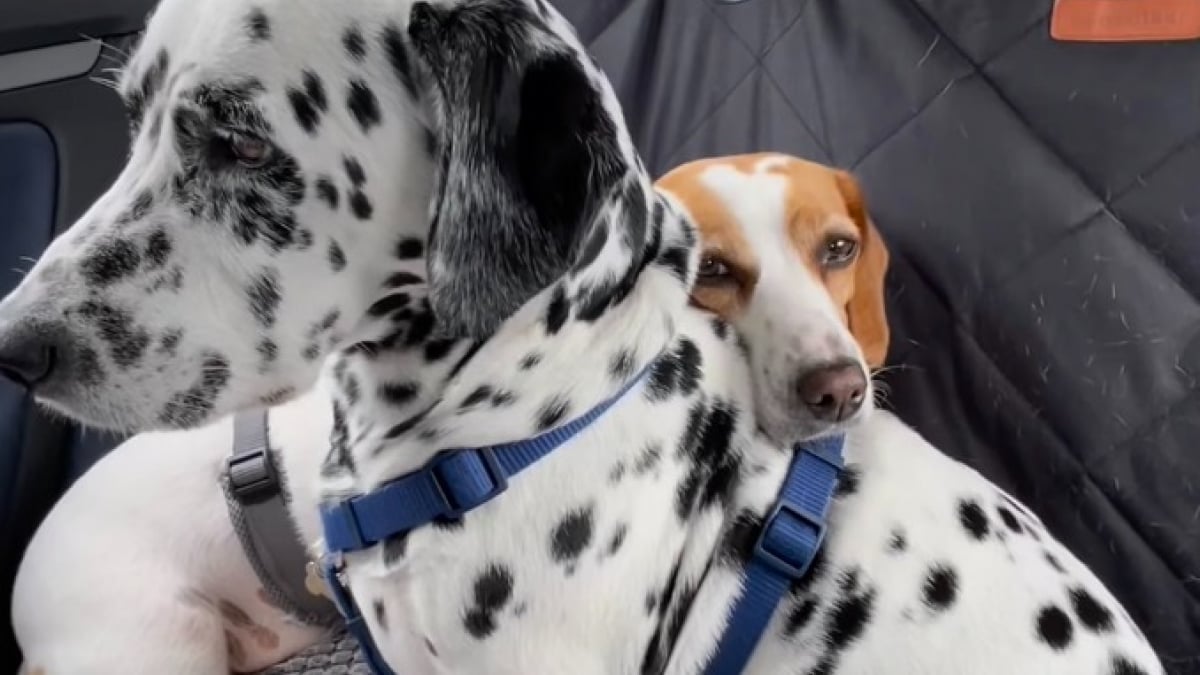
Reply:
x=865, y=311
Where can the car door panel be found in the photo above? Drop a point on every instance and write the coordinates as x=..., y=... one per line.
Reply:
x=63, y=139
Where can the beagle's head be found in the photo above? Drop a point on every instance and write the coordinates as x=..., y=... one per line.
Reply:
x=791, y=258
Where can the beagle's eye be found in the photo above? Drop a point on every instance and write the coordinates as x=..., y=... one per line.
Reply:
x=712, y=270
x=839, y=251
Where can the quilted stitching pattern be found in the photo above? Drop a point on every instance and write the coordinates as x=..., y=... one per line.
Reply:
x=1037, y=197
x=1040, y=202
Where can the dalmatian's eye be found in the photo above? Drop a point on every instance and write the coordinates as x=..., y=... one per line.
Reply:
x=839, y=252
x=713, y=270
x=248, y=151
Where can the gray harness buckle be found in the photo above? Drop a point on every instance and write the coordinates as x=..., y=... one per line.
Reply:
x=252, y=476
x=258, y=509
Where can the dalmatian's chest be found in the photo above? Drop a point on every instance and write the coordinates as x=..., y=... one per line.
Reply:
x=575, y=568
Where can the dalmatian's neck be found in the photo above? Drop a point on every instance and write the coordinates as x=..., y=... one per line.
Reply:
x=402, y=394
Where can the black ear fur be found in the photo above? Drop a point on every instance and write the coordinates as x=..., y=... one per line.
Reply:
x=527, y=153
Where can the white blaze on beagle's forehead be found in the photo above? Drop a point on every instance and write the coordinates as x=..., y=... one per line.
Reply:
x=790, y=257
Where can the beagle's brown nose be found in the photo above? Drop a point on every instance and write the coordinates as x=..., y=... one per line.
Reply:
x=833, y=392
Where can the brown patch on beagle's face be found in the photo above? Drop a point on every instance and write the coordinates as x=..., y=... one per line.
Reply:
x=792, y=259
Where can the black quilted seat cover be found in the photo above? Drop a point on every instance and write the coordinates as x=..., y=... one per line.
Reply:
x=1042, y=203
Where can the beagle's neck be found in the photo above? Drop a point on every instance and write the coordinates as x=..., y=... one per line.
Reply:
x=399, y=401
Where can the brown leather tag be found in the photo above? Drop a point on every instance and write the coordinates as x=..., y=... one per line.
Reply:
x=1125, y=20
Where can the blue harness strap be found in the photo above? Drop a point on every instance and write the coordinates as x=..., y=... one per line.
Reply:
x=791, y=536
x=451, y=484
x=457, y=481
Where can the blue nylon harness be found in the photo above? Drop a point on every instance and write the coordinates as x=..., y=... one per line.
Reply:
x=458, y=481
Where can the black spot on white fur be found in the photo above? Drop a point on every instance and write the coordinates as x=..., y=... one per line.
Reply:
x=268, y=351
x=617, y=473
x=388, y=304
x=399, y=393
x=940, y=589
x=400, y=279
x=973, y=519
x=355, y=43
x=850, y=614
x=189, y=407
x=558, y=311
x=304, y=238
x=380, y=615
x=720, y=328
x=799, y=616
x=848, y=482
x=676, y=372
x=1054, y=628
x=354, y=171
x=1123, y=666
x=572, y=534
x=263, y=294
x=648, y=459
x=713, y=469
x=168, y=343
x=110, y=262
x=493, y=590
x=552, y=412
x=126, y=341
x=148, y=87
x=363, y=105
x=158, y=249
x=479, y=395
x=436, y=350
x=1088, y=610
x=410, y=248
x=621, y=365
x=360, y=205
x=618, y=538
x=327, y=192
x=258, y=26
x=1009, y=520
x=394, y=548
x=337, y=257
x=139, y=209
x=309, y=101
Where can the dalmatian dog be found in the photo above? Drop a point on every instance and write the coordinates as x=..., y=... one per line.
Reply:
x=555, y=276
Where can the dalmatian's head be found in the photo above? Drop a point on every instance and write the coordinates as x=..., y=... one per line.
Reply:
x=291, y=161
x=279, y=165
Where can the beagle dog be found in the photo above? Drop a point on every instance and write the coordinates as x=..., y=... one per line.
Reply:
x=790, y=253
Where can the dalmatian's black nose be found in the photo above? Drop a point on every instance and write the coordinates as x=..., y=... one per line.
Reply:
x=834, y=391
x=27, y=357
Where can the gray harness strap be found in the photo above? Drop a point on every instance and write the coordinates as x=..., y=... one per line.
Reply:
x=260, y=516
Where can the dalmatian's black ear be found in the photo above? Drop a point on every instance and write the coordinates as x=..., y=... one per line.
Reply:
x=526, y=151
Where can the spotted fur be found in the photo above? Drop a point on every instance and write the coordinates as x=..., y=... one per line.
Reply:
x=555, y=274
